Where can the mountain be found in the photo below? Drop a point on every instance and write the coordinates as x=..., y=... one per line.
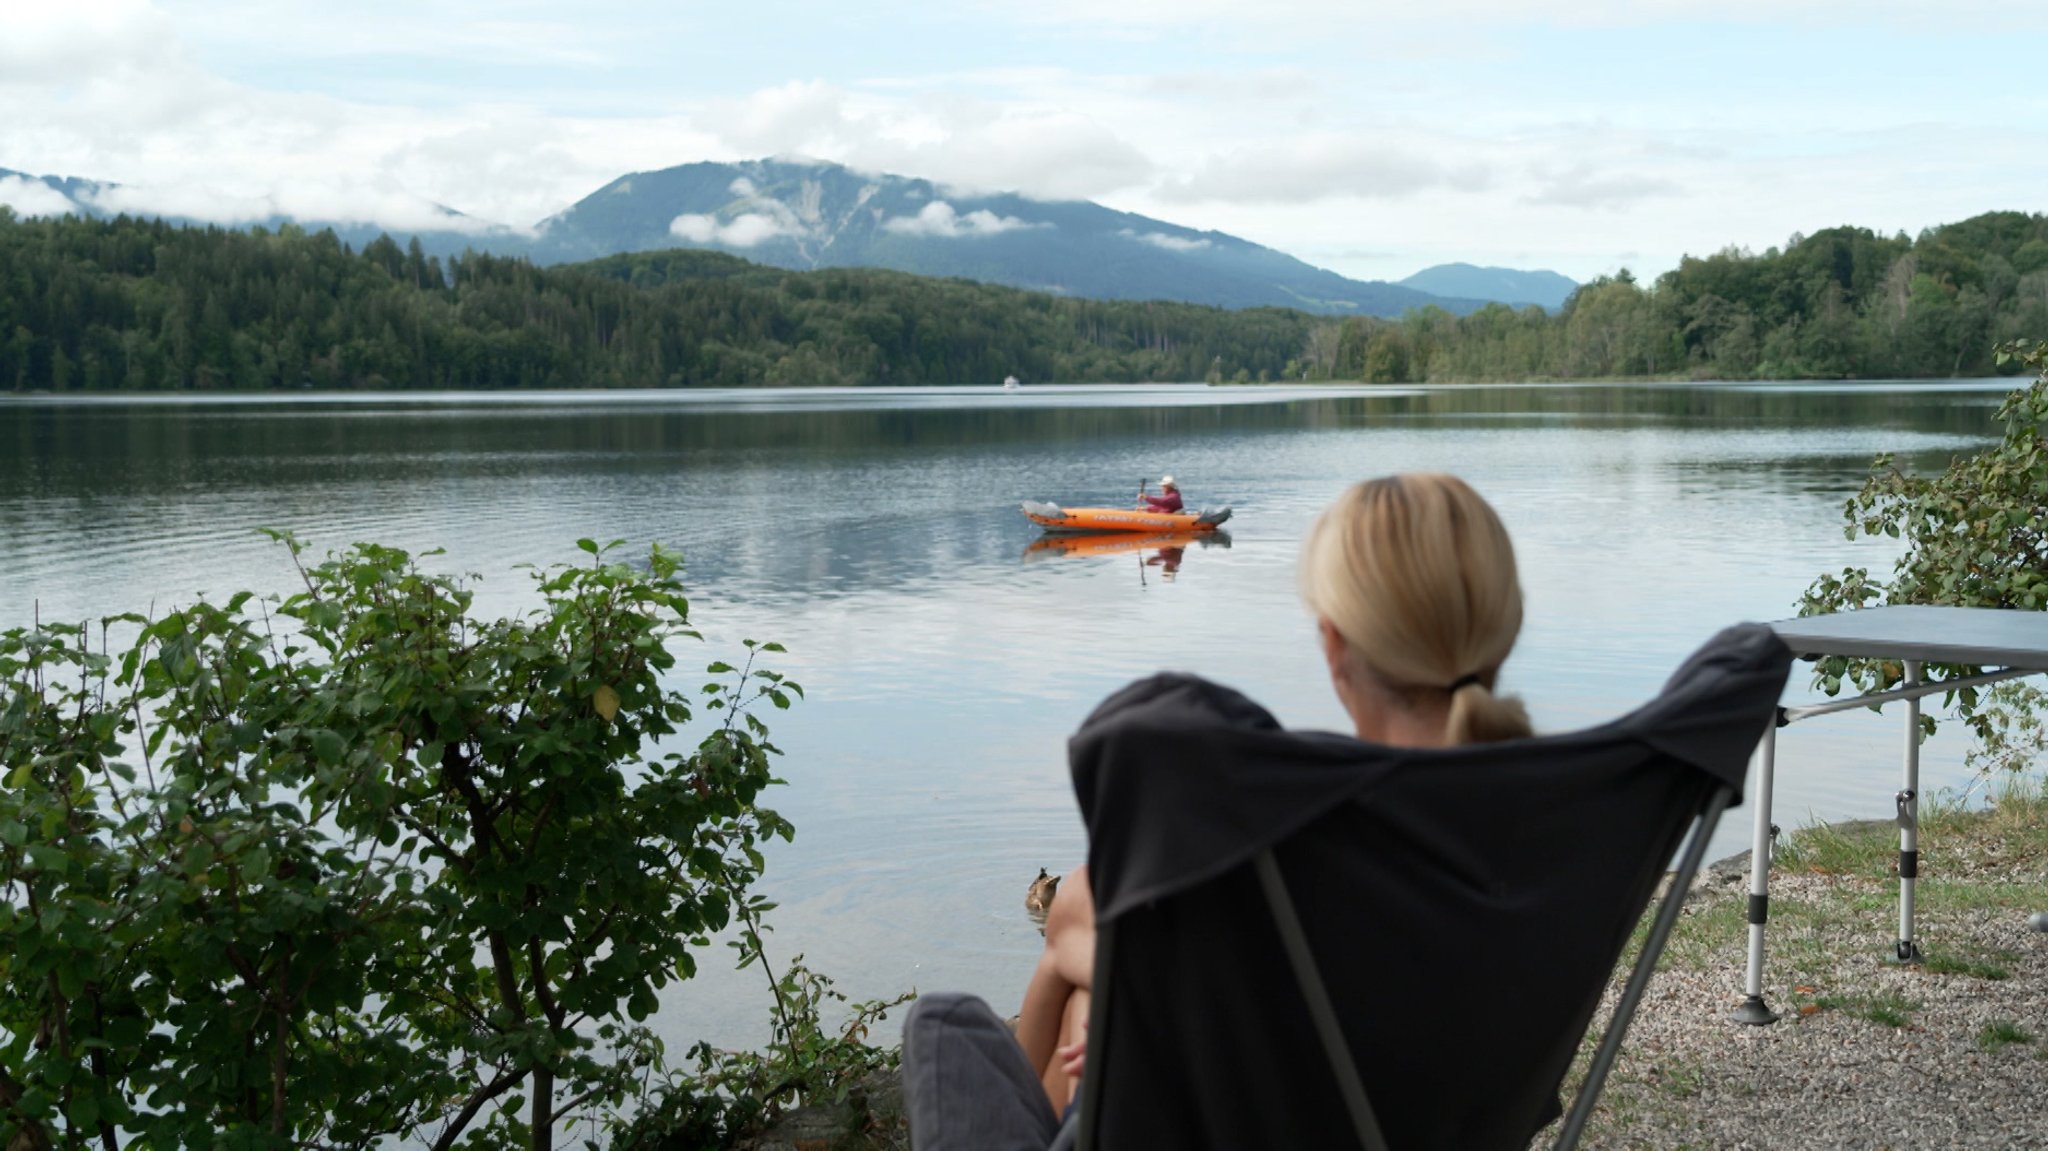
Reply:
x=805, y=214
x=1502, y=285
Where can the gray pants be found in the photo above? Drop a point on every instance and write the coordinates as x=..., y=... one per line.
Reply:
x=967, y=1086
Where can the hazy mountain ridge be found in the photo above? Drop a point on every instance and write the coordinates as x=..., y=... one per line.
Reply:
x=806, y=214
x=1515, y=286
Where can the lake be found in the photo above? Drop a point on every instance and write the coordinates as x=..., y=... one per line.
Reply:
x=876, y=534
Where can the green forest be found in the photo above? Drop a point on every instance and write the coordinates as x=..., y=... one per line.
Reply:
x=1845, y=303
x=143, y=305
x=147, y=306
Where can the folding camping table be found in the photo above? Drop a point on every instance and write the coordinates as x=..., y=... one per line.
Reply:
x=2015, y=642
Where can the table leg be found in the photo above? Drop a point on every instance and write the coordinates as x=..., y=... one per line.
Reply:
x=1753, y=1010
x=1907, y=950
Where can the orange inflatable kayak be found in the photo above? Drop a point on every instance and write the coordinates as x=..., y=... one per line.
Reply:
x=1053, y=517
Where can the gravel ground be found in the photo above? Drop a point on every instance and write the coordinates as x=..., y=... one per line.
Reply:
x=1868, y=1055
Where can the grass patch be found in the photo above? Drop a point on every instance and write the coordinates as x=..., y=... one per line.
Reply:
x=1869, y=850
x=1886, y=1008
x=1942, y=894
x=2020, y=803
x=1947, y=813
x=2013, y=810
x=1976, y=967
x=2002, y=1034
x=1677, y=1080
x=1699, y=937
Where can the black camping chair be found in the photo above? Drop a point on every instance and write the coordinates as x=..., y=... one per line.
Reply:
x=1301, y=936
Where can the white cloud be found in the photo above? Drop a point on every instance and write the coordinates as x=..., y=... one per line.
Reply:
x=340, y=202
x=33, y=198
x=1280, y=20
x=195, y=202
x=1288, y=85
x=742, y=231
x=42, y=43
x=1051, y=153
x=445, y=30
x=970, y=143
x=125, y=103
x=1308, y=168
x=939, y=219
x=801, y=117
x=1170, y=243
x=1581, y=187
x=741, y=187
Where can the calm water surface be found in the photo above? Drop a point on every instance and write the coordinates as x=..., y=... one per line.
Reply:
x=876, y=534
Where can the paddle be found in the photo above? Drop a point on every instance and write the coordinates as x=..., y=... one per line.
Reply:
x=1143, y=483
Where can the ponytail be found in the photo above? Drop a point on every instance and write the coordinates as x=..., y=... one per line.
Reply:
x=1479, y=716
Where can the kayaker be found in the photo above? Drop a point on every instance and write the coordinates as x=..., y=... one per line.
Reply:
x=1168, y=499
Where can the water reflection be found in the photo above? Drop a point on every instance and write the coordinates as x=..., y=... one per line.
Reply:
x=1163, y=552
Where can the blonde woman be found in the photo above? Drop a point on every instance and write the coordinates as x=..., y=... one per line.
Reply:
x=1412, y=582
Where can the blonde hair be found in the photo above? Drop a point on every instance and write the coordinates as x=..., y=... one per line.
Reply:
x=1418, y=575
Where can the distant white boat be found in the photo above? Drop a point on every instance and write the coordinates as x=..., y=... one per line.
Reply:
x=1010, y=383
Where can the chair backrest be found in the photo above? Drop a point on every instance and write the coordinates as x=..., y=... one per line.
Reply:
x=1464, y=906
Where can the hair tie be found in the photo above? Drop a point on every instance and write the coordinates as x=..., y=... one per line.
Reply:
x=1463, y=682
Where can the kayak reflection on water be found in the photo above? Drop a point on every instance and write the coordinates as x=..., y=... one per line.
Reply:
x=1161, y=551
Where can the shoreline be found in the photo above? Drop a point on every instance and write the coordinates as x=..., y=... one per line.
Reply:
x=1044, y=387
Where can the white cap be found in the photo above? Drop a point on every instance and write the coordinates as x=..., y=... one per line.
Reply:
x=1166, y=481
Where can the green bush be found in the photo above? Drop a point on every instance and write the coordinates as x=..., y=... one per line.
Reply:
x=1976, y=535
x=356, y=865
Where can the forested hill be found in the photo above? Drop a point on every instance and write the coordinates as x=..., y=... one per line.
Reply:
x=148, y=306
x=142, y=305
x=1842, y=303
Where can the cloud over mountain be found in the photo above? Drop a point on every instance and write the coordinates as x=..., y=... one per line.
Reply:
x=1162, y=240
x=744, y=231
x=33, y=197
x=939, y=219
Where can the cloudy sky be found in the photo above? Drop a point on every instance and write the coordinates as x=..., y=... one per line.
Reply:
x=1367, y=136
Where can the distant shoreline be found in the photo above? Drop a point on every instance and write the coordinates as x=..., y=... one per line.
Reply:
x=369, y=395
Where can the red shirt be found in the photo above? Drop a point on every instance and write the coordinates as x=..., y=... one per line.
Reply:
x=1167, y=501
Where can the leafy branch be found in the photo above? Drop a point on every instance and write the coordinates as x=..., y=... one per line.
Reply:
x=1976, y=535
